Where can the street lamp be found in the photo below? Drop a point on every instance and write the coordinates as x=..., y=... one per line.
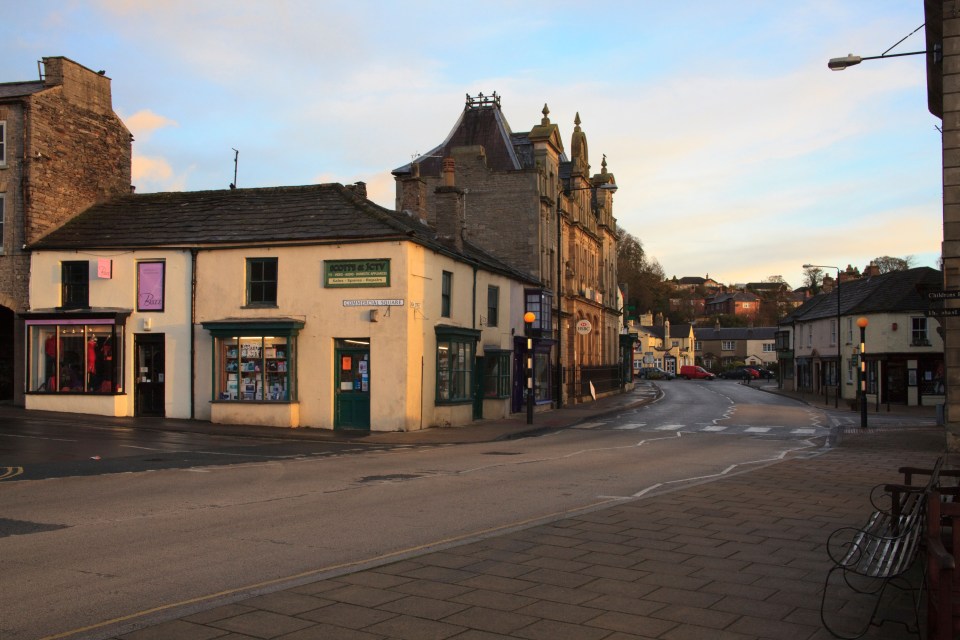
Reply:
x=839, y=64
x=836, y=400
x=612, y=188
x=862, y=323
x=528, y=319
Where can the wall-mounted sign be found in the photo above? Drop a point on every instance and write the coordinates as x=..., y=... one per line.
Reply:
x=356, y=273
x=584, y=327
x=375, y=302
x=105, y=268
x=150, y=279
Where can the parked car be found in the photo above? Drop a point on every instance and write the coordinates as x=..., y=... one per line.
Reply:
x=654, y=373
x=766, y=374
x=740, y=373
x=690, y=372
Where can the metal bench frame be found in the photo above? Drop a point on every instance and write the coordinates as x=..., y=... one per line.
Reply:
x=878, y=554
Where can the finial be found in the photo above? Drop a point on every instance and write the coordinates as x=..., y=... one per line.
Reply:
x=546, y=114
x=576, y=121
x=603, y=164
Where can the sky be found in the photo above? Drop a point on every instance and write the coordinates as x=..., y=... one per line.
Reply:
x=737, y=153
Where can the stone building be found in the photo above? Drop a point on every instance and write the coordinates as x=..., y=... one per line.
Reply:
x=62, y=149
x=538, y=208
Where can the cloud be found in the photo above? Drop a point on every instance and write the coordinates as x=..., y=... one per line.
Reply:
x=145, y=122
x=156, y=174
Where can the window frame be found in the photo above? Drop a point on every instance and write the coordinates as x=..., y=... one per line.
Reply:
x=262, y=284
x=96, y=368
x=229, y=340
x=496, y=374
x=540, y=303
x=75, y=284
x=728, y=345
x=3, y=143
x=446, y=293
x=455, y=363
x=493, y=305
x=3, y=219
x=919, y=337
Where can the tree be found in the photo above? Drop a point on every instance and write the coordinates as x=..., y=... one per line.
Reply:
x=644, y=277
x=812, y=277
x=888, y=264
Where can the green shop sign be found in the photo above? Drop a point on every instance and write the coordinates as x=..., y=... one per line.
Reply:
x=356, y=273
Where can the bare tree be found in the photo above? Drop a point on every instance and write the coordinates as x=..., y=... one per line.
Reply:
x=888, y=264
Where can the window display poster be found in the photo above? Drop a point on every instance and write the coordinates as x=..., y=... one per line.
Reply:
x=150, y=286
x=346, y=363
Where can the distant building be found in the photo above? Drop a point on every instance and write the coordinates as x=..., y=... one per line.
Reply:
x=62, y=149
x=718, y=347
x=534, y=205
x=904, y=342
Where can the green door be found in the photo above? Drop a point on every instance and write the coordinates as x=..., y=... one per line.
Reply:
x=352, y=385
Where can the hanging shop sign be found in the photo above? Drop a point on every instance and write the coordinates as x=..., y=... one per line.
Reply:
x=356, y=273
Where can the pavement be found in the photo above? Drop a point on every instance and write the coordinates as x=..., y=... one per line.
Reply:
x=738, y=556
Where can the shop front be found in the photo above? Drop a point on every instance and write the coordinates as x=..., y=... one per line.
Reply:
x=75, y=361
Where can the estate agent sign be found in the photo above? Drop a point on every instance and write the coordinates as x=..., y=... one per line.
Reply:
x=356, y=273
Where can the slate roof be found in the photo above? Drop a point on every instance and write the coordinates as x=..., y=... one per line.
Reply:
x=320, y=213
x=485, y=126
x=20, y=89
x=897, y=291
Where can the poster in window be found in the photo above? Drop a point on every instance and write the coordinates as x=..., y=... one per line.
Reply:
x=150, y=286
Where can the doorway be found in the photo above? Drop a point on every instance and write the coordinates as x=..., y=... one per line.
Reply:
x=352, y=385
x=150, y=395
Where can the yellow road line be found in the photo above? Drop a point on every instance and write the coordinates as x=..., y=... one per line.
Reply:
x=10, y=472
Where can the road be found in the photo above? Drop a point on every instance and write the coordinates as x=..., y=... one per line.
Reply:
x=95, y=550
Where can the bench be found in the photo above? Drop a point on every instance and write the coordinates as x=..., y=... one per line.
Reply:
x=879, y=553
x=943, y=575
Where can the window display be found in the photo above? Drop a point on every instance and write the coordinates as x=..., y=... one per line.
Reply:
x=254, y=368
x=75, y=357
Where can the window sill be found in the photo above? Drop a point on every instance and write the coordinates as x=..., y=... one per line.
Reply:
x=277, y=402
x=260, y=305
x=450, y=403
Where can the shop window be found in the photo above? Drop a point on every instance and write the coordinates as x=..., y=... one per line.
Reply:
x=74, y=358
x=262, y=282
x=542, y=377
x=75, y=284
x=254, y=361
x=257, y=368
x=455, y=356
x=496, y=374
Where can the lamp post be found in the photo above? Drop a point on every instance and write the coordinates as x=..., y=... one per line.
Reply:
x=528, y=318
x=612, y=188
x=862, y=323
x=836, y=400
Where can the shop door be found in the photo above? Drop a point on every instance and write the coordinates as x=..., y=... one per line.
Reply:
x=478, y=388
x=149, y=394
x=897, y=382
x=352, y=390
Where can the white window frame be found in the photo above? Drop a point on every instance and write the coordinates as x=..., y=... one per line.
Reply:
x=728, y=345
x=834, y=332
x=3, y=143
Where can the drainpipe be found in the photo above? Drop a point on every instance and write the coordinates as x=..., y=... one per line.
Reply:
x=193, y=340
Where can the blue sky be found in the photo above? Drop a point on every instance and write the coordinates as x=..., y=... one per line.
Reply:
x=737, y=152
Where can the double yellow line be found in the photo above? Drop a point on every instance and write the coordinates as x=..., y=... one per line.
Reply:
x=10, y=472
